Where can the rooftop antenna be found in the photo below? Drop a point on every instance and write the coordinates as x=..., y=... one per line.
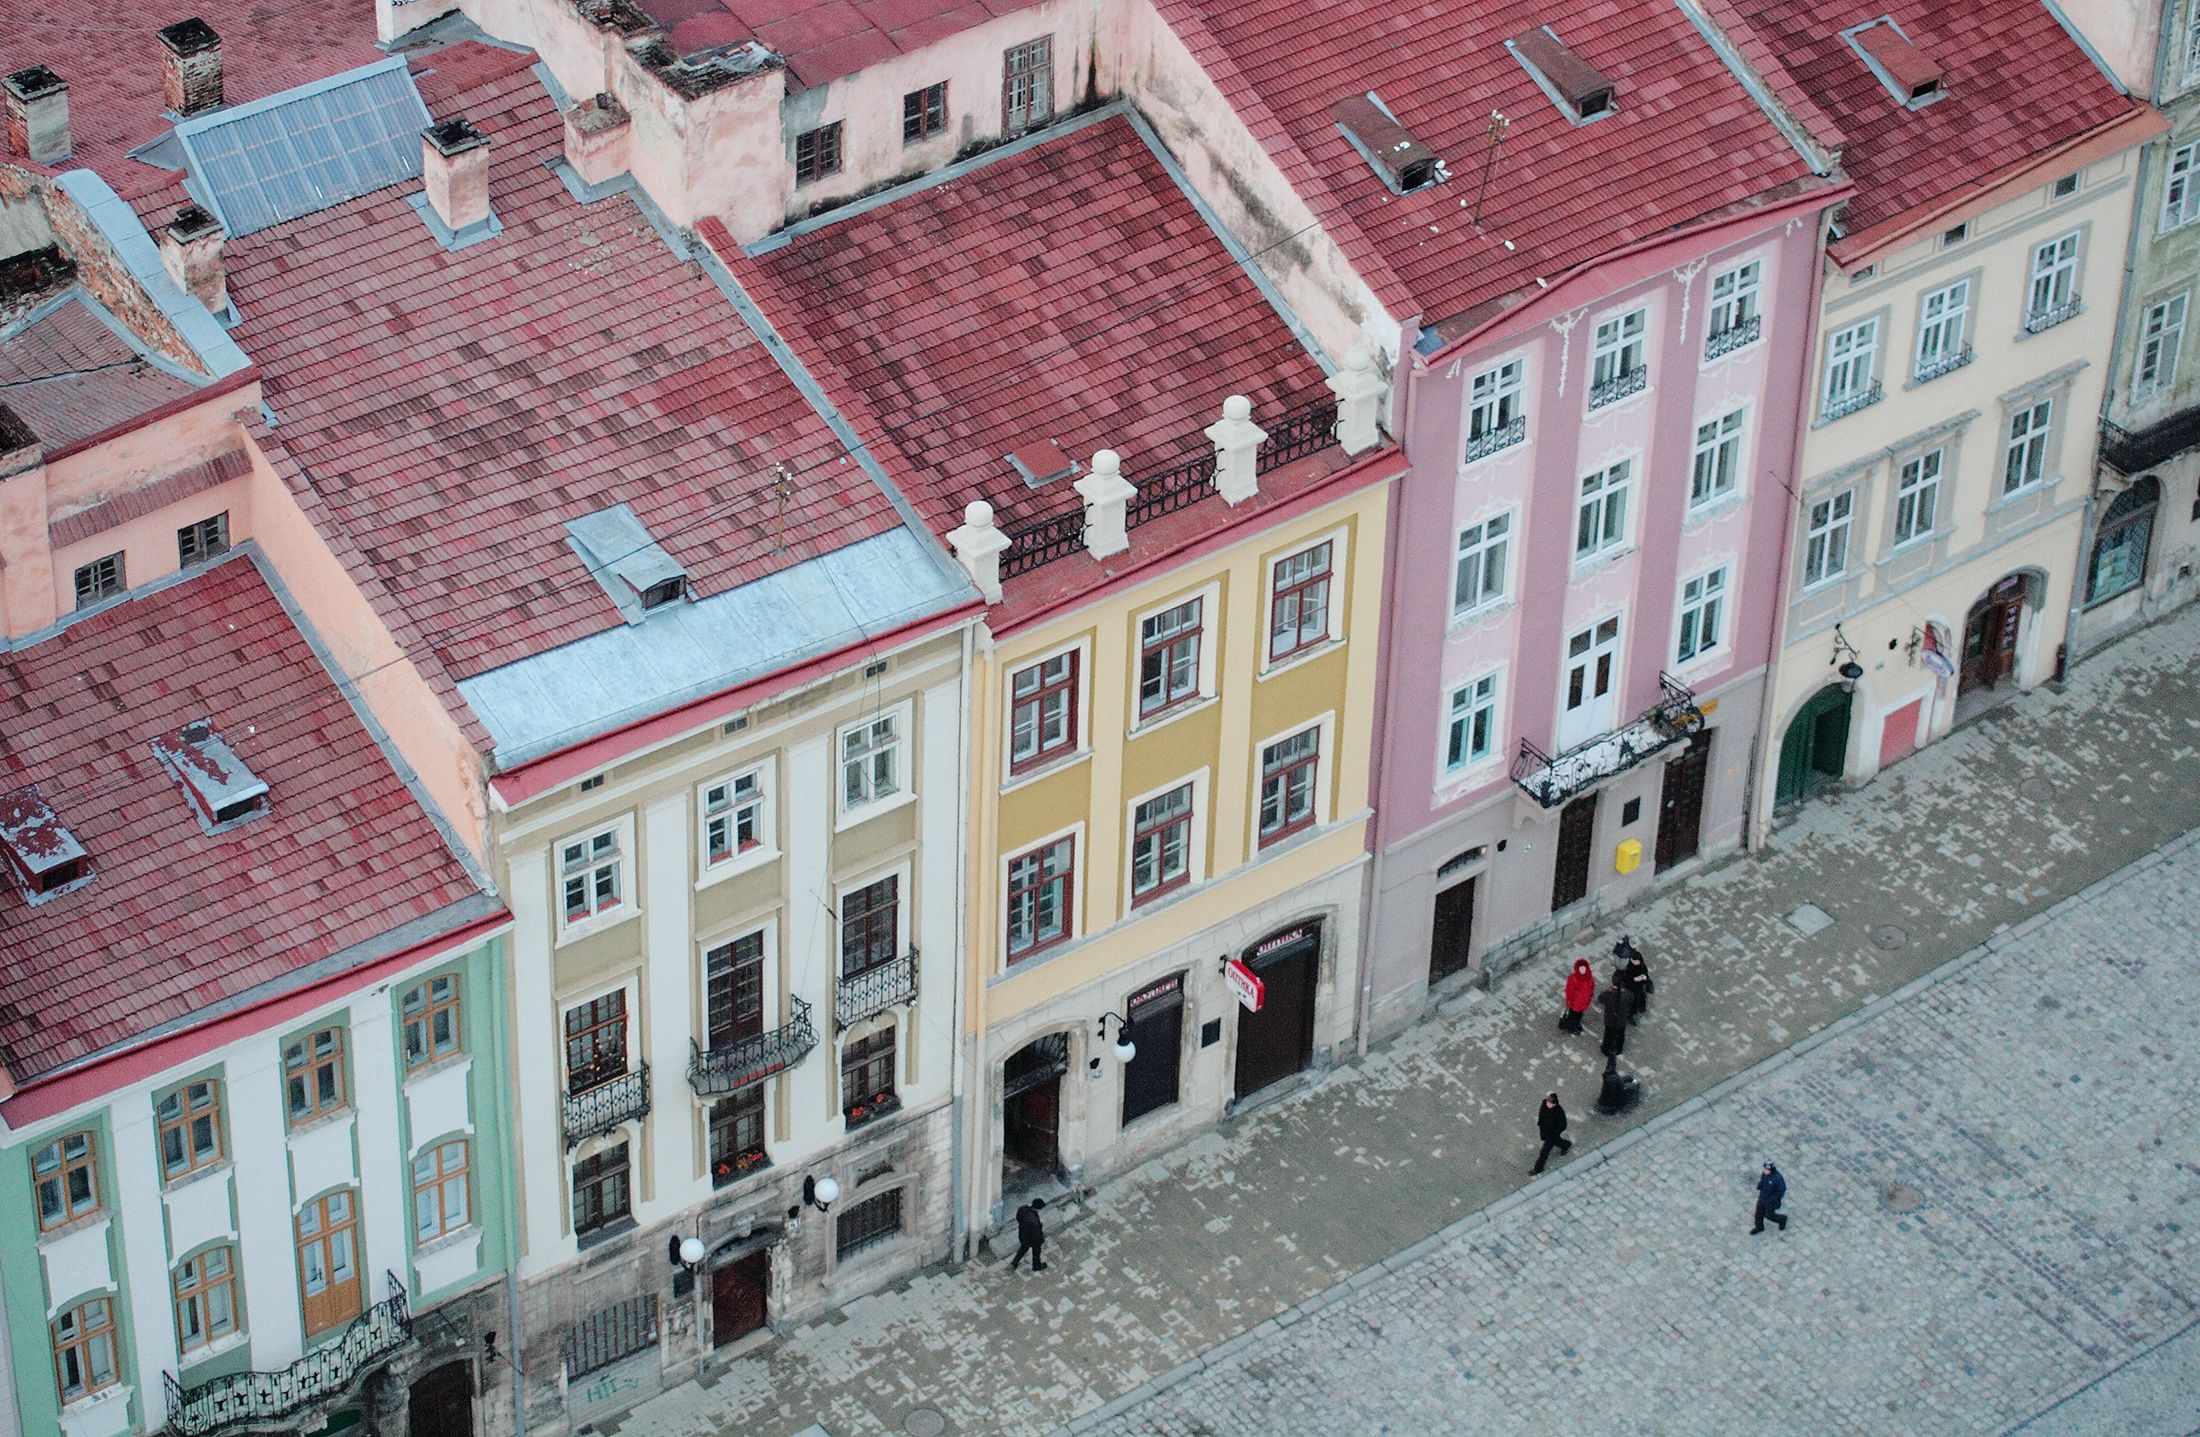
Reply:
x=782, y=491
x=1498, y=126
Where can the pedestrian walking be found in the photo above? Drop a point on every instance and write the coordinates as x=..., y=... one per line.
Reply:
x=1772, y=1190
x=1031, y=1235
x=1550, y=1125
x=1632, y=976
x=1581, y=990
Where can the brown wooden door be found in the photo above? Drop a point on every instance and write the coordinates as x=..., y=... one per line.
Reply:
x=738, y=1291
x=1680, y=804
x=1990, y=637
x=1279, y=1040
x=1577, y=832
x=1452, y=934
x=442, y=1402
x=328, y=1261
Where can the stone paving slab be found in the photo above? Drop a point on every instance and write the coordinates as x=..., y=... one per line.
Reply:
x=1959, y=846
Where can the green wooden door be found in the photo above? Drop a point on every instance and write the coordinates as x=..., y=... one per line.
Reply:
x=1815, y=748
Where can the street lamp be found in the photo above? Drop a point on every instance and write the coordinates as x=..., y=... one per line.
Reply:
x=820, y=1193
x=1850, y=670
x=687, y=1254
x=1124, y=1049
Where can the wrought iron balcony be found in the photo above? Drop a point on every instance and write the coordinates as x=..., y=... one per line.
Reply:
x=605, y=1106
x=327, y=1371
x=1618, y=387
x=715, y=1072
x=874, y=990
x=1733, y=337
x=2040, y=319
x=1850, y=403
x=2132, y=453
x=1933, y=368
x=1504, y=436
x=1551, y=781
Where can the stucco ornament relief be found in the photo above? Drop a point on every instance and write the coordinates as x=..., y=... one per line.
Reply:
x=1686, y=274
x=1564, y=324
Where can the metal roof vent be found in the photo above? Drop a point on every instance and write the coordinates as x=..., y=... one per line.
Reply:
x=1908, y=72
x=1042, y=464
x=223, y=792
x=634, y=570
x=1581, y=93
x=42, y=856
x=1398, y=155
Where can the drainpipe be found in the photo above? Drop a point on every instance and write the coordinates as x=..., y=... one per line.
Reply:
x=513, y=1345
x=1756, y=829
x=959, y=1220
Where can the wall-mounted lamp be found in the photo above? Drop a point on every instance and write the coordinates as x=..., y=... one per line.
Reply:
x=1125, y=1049
x=820, y=1193
x=1850, y=669
x=686, y=1254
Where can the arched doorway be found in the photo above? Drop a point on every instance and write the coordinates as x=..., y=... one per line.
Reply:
x=1815, y=751
x=1031, y=1114
x=1276, y=1040
x=2121, y=543
x=442, y=1401
x=740, y=1291
x=1990, y=633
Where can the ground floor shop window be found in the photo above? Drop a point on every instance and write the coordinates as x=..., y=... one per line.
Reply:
x=868, y=1223
x=2120, y=549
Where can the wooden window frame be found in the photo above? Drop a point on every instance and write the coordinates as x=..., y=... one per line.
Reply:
x=437, y=1187
x=203, y=540
x=866, y=924
x=1310, y=588
x=875, y=1054
x=1027, y=85
x=817, y=154
x=733, y=989
x=604, y=1018
x=732, y=1155
x=598, y=865
x=330, y=1236
x=1170, y=650
x=61, y=1179
x=1280, y=778
x=596, y=1173
x=194, y=1292
x=924, y=113
x=433, y=1009
x=869, y=753
x=1044, y=689
x=82, y=1341
x=189, y=1115
x=1030, y=875
x=308, y=1070
x=100, y=580
x=735, y=819
x=1154, y=829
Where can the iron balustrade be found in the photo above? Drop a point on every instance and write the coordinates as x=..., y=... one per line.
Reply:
x=1306, y=431
x=1552, y=781
x=605, y=1106
x=1733, y=337
x=1850, y=403
x=1504, y=436
x=714, y=1072
x=2040, y=319
x=1943, y=364
x=874, y=990
x=2130, y=453
x=330, y=1370
x=1042, y=541
x=1618, y=387
x=1172, y=489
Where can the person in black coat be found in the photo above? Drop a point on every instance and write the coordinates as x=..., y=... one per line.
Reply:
x=1632, y=975
x=1031, y=1235
x=1771, y=1192
x=1550, y=1125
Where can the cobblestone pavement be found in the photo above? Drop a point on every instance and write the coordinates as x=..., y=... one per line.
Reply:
x=1624, y=1291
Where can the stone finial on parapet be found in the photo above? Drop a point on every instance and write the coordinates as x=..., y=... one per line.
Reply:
x=1107, y=505
x=1360, y=391
x=1237, y=440
x=978, y=545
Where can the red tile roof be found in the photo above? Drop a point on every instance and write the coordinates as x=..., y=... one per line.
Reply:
x=451, y=411
x=823, y=40
x=70, y=376
x=1067, y=293
x=175, y=918
x=1687, y=140
x=110, y=53
x=2017, y=87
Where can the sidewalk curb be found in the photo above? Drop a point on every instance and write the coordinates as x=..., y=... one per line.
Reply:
x=1347, y=1287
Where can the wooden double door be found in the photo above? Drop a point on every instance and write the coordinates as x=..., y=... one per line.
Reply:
x=739, y=1293
x=1680, y=803
x=1990, y=636
x=1278, y=1041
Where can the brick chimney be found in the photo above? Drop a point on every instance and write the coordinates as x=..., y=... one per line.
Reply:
x=454, y=165
x=191, y=250
x=38, y=115
x=596, y=133
x=192, y=75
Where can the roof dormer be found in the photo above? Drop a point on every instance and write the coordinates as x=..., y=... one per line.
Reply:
x=1398, y=155
x=1909, y=74
x=1578, y=89
x=223, y=792
x=634, y=570
x=41, y=855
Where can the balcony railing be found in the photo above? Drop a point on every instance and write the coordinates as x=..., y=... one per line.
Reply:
x=1504, y=436
x=1042, y=541
x=1618, y=387
x=715, y=1072
x=1172, y=489
x=605, y=1106
x=1733, y=337
x=1303, y=432
x=328, y=1371
x=1552, y=781
x=2053, y=315
x=874, y=990
x=2132, y=453
x=1850, y=403
x=1941, y=364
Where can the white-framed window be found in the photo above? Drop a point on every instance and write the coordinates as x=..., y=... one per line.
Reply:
x=1718, y=461
x=1600, y=519
x=1703, y=616
x=2161, y=336
x=1943, y=325
x=1734, y=295
x=2054, y=285
x=1164, y=842
x=593, y=882
x=2181, y=188
x=2024, y=459
x=1619, y=353
x=736, y=817
x=1471, y=727
x=1917, y=497
x=1479, y=576
x=1852, y=354
x=1497, y=400
x=1826, y=538
x=872, y=764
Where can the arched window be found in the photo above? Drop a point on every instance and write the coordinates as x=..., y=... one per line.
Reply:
x=2120, y=548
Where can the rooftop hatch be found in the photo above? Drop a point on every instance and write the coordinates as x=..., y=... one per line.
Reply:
x=634, y=569
x=1397, y=154
x=1908, y=72
x=43, y=857
x=221, y=789
x=1573, y=83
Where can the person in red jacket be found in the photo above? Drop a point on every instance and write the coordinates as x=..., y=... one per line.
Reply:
x=1581, y=991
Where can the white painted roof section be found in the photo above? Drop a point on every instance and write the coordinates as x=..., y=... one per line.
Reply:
x=689, y=651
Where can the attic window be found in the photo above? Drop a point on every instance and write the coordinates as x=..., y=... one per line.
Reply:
x=1574, y=85
x=1908, y=72
x=1398, y=155
x=634, y=570
x=223, y=792
x=42, y=856
x=1042, y=463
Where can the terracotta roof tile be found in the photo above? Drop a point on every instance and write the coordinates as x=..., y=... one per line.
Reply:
x=70, y=376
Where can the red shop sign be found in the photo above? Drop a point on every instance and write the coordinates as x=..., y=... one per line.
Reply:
x=1246, y=984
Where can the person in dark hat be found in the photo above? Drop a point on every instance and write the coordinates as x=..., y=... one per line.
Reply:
x=1550, y=1125
x=1031, y=1235
x=1772, y=1190
x=1632, y=976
